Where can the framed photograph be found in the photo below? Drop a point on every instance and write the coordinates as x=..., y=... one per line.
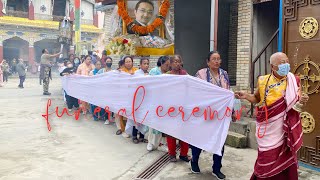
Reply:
x=143, y=13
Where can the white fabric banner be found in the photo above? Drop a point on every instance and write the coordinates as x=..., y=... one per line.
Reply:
x=181, y=106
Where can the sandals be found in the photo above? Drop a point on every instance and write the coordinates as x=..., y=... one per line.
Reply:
x=173, y=158
x=143, y=140
x=135, y=140
x=185, y=158
x=119, y=132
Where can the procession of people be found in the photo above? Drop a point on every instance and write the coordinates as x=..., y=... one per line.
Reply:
x=276, y=96
x=277, y=157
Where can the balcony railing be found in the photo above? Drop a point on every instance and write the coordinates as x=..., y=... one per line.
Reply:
x=57, y=18
x=17, y=13
x=260, y=65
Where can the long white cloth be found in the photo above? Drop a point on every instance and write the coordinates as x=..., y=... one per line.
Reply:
x=116, y=90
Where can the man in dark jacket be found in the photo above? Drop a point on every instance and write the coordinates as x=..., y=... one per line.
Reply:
x=21, y=69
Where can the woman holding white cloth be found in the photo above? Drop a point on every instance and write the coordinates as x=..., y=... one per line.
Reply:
x=155, y=136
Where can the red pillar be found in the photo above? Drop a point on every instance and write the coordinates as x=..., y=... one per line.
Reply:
x=1, y=52
x=71, y=14
x=1, y=14
x=31, y=54
x=31, y=11
x=96, y=19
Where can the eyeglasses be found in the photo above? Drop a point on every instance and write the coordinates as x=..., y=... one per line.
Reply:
x=145, y=11
x=216, y=60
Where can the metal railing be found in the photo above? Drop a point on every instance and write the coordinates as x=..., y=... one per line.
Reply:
x=260, y=65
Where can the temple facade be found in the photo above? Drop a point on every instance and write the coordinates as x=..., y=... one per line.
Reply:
x=28, y=26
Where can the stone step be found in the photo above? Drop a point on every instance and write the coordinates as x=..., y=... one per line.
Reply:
x=236, y=140
x=246, y=127
x=240, y=127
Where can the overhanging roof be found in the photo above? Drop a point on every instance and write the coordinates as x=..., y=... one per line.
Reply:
x=106, y=2
x=43, y=24
x=260, y=1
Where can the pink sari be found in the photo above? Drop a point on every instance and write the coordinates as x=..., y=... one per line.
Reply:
x=85, y=70
x=280, y=137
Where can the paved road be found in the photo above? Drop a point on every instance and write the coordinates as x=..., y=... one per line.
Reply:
x=84, y=149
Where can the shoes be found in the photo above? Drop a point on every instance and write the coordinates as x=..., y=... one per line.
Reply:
x=107, y=122
x=135, y=140
x=194, y=167
x=185, y=158
x=173, y=158
x=150, y=147
x=125, y=135
x=47, y=93
x=218, y=175
x=143, y=140
x=118, y=132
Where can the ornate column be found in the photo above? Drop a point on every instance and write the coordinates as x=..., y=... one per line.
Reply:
x=95, y=19
x=1, y=13
x=31, y=52
x=31, y=10
x=71, y=12
x=1, y=50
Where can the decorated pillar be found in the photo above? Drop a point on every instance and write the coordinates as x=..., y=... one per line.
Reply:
x=95, y=19
x=31, y=10
x=1, y=13
x=71, y=12
x=77, y=39
x=1, y=51
x=31, y=53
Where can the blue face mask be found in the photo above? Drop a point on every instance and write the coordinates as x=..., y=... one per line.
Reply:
x=283, y=69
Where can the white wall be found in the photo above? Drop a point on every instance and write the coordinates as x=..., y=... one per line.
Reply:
x=46, y=15
x=87, y=8
x=101, y=19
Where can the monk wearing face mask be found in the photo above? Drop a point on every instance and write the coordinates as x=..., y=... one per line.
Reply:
x=277, y=93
